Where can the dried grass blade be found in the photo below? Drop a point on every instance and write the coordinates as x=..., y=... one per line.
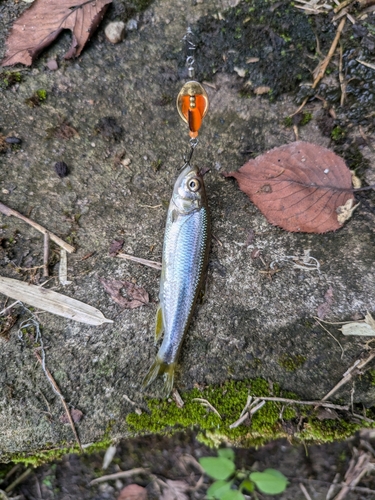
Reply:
x=52, y=302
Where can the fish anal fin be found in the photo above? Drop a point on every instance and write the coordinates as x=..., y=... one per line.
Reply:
x=159, y=324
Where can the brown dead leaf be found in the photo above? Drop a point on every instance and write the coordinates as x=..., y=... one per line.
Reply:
x=115, y=247
x=298, y=187
x=133, y=492
x=262, y=90
x=176, y=490
x=43, y=22
x=137, y=295
x=77, y=416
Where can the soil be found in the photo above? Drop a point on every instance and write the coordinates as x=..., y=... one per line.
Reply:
x=315, y=467
x=110, y=117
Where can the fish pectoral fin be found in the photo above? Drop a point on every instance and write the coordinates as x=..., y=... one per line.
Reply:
x=157, y=368
x=159, y=324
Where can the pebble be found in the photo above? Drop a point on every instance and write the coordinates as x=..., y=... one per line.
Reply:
x=126, y=162
x=132, y=25
x=115, y=31
x=13, y=140
x=61, y=169
x=52, y=65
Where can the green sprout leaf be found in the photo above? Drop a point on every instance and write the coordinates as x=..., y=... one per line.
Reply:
x=226, y=453
x=247, y=485
x=217, y=467
x=218, y=489
x=271, y=481
x=233, y=495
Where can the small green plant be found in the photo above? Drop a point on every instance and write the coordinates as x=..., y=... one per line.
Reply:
x=230, y=483
x=37, y=98
x=9, y=78
x=338, y=133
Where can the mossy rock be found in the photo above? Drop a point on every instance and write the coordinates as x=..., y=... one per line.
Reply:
x=250, y=325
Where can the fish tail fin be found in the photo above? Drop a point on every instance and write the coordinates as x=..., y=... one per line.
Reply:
x=157, y=368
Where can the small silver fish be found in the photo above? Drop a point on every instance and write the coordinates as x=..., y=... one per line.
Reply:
x=185, y=255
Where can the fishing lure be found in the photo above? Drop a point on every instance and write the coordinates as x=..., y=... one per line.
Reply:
x=186, y=240
x=185, y=255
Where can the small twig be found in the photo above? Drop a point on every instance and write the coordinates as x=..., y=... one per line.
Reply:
x=329, y=333
x=342, y=5
x=322, y=66
x=119, y=475
x=145, y=262
x=58, y=392
x=46, y=255
x=253, y=409
x=151, y=206
x=369, y=65
x=321, y=69
x=362, y=417
x=207, y=404
x=9, y=307
x=325, y=404
x=177, y=398
x=9, y=211
x=129, y=400
x=350, y=373
x=19, y=480
x=357, y=469
x=332, y=488
x=248, y=403
x=342, y=79
x=238, y=422
x=63, y=268
x=10, y=473
x=304, y=491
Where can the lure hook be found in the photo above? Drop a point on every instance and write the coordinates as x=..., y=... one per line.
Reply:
x=187, y=158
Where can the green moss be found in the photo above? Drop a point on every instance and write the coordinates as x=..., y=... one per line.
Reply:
x=306, y=117
x=338, y=133
x=229, y=400
x=300, y=119
x=42, y=94
x=291, y=363
x=9, y=78
x=371, y=375
x=37, y=98
x=54, y=454
x=288, y=121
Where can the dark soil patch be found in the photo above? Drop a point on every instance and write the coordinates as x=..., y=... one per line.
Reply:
x=315, y=467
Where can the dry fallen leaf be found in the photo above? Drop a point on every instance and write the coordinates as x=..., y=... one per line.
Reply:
x=133, y=492
x=176, y=490
x=53, y=302
x=115, y=247
x=298, y=186
x=137, y=295
x=77, y=416
x=43, y=22
x=360, y=328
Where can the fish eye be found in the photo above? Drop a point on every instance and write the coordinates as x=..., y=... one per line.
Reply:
x=194, y=185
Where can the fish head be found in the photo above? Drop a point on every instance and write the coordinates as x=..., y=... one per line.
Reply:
x=189, y=192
